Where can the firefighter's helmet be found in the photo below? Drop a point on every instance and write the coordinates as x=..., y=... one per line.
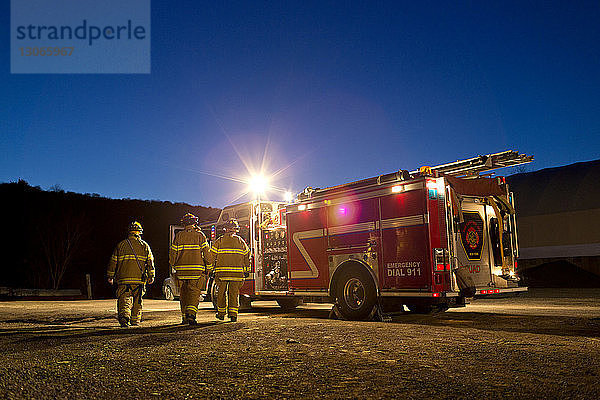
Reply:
x=189, y=219
x=136, y=227
x=231, y=226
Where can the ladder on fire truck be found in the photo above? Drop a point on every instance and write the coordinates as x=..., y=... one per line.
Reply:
x=473, y=167
x=469, y=168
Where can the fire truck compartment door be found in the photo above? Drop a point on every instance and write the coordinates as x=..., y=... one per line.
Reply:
x=306, y=246
x=472, y=241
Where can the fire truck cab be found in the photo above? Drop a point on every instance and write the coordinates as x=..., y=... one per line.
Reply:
x=424, y=240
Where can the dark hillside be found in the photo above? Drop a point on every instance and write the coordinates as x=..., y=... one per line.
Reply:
x=43, y=228
x=571, y=187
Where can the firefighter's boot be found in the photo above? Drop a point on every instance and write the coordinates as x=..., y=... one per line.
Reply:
x=220, y=316
x=233, y=318
x=124, y=322
x=191, y=319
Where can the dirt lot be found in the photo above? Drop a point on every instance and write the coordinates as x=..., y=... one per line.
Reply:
x=545, y=344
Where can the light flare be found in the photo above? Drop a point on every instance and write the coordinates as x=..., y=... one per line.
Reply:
x=258, y=184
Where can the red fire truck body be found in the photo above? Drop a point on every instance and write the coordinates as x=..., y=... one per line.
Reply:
x=423, y=240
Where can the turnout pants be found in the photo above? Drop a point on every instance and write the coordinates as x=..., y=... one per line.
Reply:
x=228, y=296
x=189, y=295
x=129, y=301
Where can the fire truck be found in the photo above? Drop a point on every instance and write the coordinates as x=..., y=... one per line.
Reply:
x=422, y=241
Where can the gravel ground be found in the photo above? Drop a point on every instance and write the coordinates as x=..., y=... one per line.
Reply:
x=542, y=345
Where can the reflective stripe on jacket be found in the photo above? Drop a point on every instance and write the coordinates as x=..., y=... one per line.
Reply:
x=230, y=257
x=188, y=252
x=123, y=261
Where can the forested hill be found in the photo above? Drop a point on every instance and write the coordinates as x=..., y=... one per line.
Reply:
x=44, y=231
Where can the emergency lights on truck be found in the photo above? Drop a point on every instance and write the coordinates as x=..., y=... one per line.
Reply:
x=258, y=184
x=287, y=197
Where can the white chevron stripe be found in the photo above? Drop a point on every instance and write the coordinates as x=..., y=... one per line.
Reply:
x=297, y=238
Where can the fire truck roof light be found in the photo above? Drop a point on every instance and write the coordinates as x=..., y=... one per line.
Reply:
x=436, y=295
x=397, y=188
x=258, y=184
x=436, y=184
x=302, y=207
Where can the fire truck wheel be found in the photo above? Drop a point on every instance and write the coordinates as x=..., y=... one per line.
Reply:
x=289, y=304
x=355, y=293
x=245, y=303
x=168, y=293
x=213, y=294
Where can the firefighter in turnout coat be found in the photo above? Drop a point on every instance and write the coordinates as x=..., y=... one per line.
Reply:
x=230, y=257
x=131, y=266
x=187, y=258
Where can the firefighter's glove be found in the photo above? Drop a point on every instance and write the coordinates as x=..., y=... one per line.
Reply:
x=246, y=274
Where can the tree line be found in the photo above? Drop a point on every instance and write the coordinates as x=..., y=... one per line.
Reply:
x=52, y=239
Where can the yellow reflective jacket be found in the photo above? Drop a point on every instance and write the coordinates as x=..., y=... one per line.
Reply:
x=230, y=257
x=188, y=252
x=123, y=266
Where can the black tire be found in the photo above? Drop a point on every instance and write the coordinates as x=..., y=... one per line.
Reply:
x=245, y=303
x=289, y=304
x=209, y=285
x=168, y=292
x=213, y=294
x=355, y=293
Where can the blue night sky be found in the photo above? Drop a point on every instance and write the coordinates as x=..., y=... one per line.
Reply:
x=334, y=91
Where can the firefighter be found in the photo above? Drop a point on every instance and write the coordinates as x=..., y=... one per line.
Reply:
x=230, y=257
x=187, y=259
x=131, y=266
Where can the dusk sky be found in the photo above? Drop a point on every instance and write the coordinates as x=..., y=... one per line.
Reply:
x=334, y=91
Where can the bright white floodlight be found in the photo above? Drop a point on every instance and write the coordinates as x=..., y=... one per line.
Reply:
x=288, y=197
x=258, y=184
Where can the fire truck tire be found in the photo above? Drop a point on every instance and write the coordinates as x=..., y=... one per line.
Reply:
x=209, y=285
x=213, y=294
x=245, y=303
x=355, y=293
x=289, y=304
x=168, y=293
